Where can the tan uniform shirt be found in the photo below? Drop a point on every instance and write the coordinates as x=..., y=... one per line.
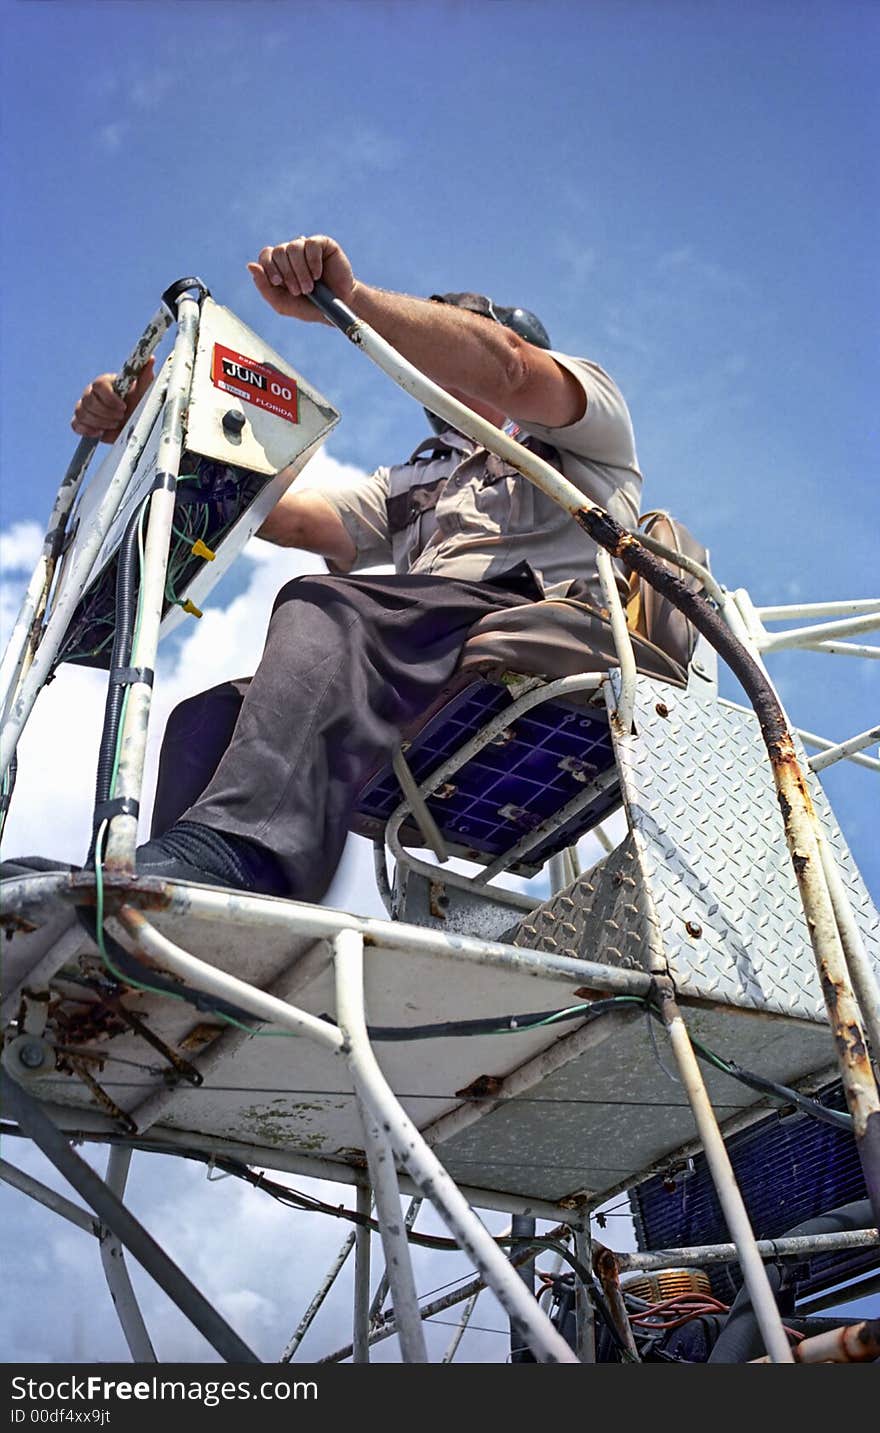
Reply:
x=456, y=510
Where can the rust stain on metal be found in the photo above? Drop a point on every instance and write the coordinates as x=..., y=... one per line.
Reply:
x=199, y=1036
x=693, y=928
x=13, y=923
x=857, y=1343
x=93, y=1020
x=799, y=861
x=438, y=900
x=182, y=1067
x=661, y=709
x=103, y=1099
x=483, y=1087
x=855, y=1041
x=608, y=1274
x=784, y=805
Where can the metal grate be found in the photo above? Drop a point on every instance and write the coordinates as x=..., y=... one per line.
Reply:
x=789, y=1168
x=515, y=783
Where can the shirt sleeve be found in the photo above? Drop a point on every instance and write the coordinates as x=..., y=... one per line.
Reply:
x=605, y=433
x=361, y=508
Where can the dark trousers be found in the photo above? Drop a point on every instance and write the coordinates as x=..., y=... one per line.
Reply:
x=348, y=661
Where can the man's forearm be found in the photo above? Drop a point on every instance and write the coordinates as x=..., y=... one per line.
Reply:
x=454, y=347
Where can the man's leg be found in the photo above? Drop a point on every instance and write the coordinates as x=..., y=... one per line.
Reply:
x=347, y=662
x=197, y=733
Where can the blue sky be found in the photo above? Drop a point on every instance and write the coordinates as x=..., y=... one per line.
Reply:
x=684, y=192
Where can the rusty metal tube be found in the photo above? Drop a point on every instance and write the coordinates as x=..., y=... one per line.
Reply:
x=857, y=1343
x=608, y=1275
x=800, y=1247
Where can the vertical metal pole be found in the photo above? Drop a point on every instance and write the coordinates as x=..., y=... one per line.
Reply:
x=465, y=1319
x=828, y=922
x=585, y=1318
x=426, y=1170
x=118, y=1280
x=558, y=872
x=382, y=1287
x=122, y=834
x=361, y=1329
x=859, y=965
x=522, y=1226
x=305, y=1322
x=622, y=640
x=726, y=1187
x=380, y=1159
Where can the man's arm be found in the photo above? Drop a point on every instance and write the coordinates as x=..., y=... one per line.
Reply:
x=306, y=520
x=462, y=351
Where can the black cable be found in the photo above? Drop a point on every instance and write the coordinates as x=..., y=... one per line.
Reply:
x=142, y=974
x=838, y=1119
x=7, y=789
x=494, y=1024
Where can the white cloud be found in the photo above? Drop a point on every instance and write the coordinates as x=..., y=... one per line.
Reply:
x=110, y=136
x=20, y=547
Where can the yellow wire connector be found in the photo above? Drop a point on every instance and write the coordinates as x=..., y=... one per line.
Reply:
x=200, y=549
x=191, y=608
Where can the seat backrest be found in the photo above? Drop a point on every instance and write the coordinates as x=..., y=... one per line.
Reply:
x=648, y=612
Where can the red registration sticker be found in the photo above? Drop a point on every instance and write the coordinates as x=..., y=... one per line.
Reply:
x=253, y=382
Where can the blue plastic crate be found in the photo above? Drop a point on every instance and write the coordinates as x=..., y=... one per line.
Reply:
x=512, y=785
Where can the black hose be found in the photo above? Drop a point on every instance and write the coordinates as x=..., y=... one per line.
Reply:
x=740, y=1340
x=126, y=606
x=6, y=795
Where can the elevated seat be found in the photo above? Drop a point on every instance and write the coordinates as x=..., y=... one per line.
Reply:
x=541, y=763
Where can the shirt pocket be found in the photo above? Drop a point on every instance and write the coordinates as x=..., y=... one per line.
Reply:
x=504, y=499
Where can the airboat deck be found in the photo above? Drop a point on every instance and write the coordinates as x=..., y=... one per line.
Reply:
x=558, y=1114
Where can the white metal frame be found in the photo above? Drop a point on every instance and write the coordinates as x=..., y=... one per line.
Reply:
x=390, y=1139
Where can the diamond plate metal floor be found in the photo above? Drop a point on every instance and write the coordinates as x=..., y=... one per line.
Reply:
x=704, y=876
